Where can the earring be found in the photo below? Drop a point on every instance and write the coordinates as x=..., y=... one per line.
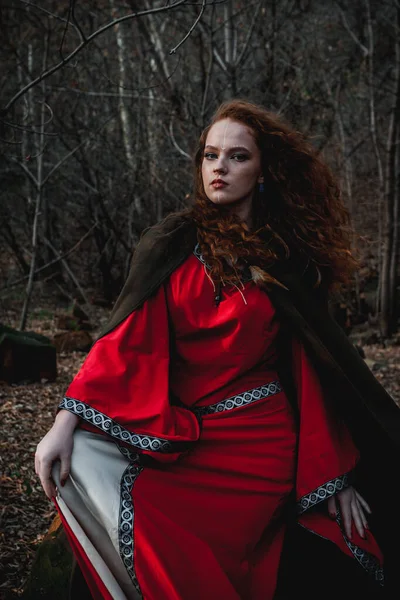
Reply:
x=261, y=188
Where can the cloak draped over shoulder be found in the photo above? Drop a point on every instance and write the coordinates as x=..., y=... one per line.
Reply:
x=363, y=399
x=316, y=360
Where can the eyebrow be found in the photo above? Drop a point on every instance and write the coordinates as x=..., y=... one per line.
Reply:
x=242, y=148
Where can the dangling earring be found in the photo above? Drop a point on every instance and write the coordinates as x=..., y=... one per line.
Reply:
x=261, y=188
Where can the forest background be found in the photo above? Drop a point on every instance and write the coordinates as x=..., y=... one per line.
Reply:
x=101, y=105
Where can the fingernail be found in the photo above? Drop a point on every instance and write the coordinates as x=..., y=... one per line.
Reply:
x=332, y=516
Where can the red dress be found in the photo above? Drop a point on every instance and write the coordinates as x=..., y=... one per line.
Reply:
x=191, y=389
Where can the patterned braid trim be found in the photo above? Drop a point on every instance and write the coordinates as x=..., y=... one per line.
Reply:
x=239, y=400
x=109, y=426
x=323, y=492
x=369, y=562
x=126, y=522
x=198, y=254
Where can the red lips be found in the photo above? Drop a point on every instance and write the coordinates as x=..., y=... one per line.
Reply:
x=218, y=183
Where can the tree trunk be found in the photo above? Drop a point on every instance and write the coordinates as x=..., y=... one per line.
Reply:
x=391, y=212
x=40, y=143
x=230, y=51
x=374, y=137
x=125, y=115
x=394, y=259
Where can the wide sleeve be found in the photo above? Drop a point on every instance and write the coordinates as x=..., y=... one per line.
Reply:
x=326, y=451
x=326, y=461
x=122, y=389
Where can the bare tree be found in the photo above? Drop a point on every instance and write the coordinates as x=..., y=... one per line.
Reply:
x=390, y=250
x=129, y=95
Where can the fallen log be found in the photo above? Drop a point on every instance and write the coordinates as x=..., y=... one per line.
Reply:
x=26, y=356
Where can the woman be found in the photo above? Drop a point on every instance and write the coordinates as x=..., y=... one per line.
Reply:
x=216, y=412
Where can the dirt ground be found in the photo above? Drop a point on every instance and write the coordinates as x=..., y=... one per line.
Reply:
x=26, y=413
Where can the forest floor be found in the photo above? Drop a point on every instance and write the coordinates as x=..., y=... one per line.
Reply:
x=27, y=412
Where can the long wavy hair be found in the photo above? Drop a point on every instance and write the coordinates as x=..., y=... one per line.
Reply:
x=300, y=214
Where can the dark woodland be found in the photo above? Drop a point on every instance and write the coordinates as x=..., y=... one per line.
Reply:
x=101, y=105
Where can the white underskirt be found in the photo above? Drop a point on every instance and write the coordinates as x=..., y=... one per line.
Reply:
x=90, y=501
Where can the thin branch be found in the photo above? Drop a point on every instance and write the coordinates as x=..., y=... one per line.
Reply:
x=91, y=187
x=282, y=107
x=69, y=271
x=75, y=22
x=52, y=262
x=249, y=34
x=51, y=113
x=209, y=69
x=82, y=45
x=47, y=12
x=72, y=152
x=220, y=60
x=136, y=96
x=25, y=169
x=10, y=142
x=217, y=56
x=171, y=133
x=189, y=33
x=68, y=20
x=245, y=8
x=148, y=87
x=346, y=25
x=26, y=129
x=23, y=128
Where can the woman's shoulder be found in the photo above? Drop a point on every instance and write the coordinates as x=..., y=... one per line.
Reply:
x=164, y=245
x=174, y=223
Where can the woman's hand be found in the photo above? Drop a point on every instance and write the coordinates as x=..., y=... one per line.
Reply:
x=352, y=508
x=57, y=444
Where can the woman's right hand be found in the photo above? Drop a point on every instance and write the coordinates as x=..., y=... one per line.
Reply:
x=57, y=444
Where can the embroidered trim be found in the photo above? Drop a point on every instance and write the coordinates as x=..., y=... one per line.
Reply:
x=106, y=424
x=198, y=254
x=322, y=493
x=325, y=491
x=368, y=561
x=126, y=521
x=259, y=393
x=133, y=457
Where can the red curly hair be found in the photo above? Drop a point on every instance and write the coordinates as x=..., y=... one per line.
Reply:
x=300, y=213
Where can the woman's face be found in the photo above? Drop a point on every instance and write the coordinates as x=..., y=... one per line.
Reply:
x=231, y=167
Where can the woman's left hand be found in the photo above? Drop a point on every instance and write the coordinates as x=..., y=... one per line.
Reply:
x=352, y=508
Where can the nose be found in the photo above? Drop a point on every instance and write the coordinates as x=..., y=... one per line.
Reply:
x=219, y=166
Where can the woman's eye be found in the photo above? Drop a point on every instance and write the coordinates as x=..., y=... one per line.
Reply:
x=237, y=157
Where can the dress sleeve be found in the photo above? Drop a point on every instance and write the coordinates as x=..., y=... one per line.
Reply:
x=326, y=460
x=326, y=452
x=122, y=388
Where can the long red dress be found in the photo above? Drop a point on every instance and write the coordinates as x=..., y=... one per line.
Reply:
x=189, y=394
